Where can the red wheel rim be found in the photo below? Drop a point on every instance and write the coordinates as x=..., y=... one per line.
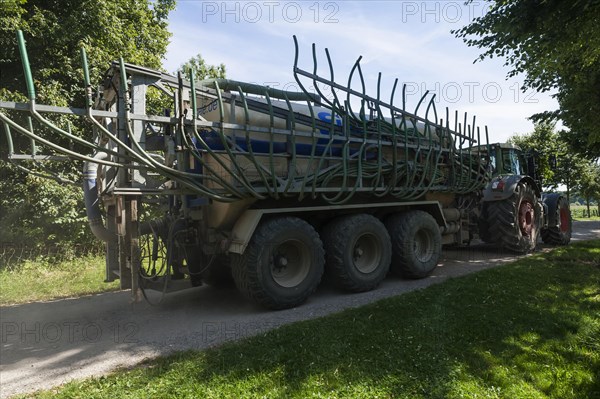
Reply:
x=526, y=218
x=564, y=220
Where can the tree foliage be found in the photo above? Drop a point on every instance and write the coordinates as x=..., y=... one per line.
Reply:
x=556, y=44
x=589, y=185
x=570, y=164
x=201, y=69
x=56, y=30
x=557, y=162
x=544, y=141
x=42, y=211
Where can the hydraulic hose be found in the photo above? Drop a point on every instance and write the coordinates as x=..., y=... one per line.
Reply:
x=250, y=88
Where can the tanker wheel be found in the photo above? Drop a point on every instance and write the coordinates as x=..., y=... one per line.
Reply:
x=416, y=243
x=513, y=223
x=358, y=252
x=559, y=234
x=282, y=265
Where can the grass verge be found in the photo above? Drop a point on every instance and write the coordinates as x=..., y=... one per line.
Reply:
x=41, y=280
x=530, y=329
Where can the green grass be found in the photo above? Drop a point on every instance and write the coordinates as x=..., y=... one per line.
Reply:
x=579, y=212
x=42, y=280
x=530, y=329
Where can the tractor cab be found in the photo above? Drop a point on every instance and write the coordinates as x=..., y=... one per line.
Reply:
x=507, y=159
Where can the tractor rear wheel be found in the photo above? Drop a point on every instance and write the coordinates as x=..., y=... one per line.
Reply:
x=559, y=222
x=416, y=243
x=514, y=223
x=282, y=265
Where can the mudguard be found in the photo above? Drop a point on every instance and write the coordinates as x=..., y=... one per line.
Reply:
x=503, y=186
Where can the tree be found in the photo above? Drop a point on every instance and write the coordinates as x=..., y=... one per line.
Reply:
x=55, y=30
x=201, y=69
x=556, y=44
x=589, y=185
x=557, y=162
x=41, y=211
x=569, y=166
x=544, y=141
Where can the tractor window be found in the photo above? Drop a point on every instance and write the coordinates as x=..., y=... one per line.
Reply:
x=524, y=170
x=511, y=162
x=492, y=162
x=506, y=162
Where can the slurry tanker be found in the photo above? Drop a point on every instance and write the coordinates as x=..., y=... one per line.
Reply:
x=272, y=188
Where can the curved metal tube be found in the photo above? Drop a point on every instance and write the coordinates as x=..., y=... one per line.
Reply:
x=92, y=203
x=250, y=88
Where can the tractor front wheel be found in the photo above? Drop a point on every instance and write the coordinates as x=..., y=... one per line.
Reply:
x=514, y=223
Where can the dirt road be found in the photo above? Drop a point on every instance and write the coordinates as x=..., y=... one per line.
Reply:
x=47, y=344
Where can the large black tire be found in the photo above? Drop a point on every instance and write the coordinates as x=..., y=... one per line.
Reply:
x=560, y=225
x=358, y=252
x=282, y=265
x=416, y=243
x=514, y=223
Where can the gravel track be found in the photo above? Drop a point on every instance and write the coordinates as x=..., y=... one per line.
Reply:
x=47, y=344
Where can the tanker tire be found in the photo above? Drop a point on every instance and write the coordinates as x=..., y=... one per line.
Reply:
x=560, y=234
x=358, y=252
x=513, y=223
x=416, y=243
x=282, y=265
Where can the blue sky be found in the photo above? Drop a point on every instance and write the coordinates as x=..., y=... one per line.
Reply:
x=408, y=40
